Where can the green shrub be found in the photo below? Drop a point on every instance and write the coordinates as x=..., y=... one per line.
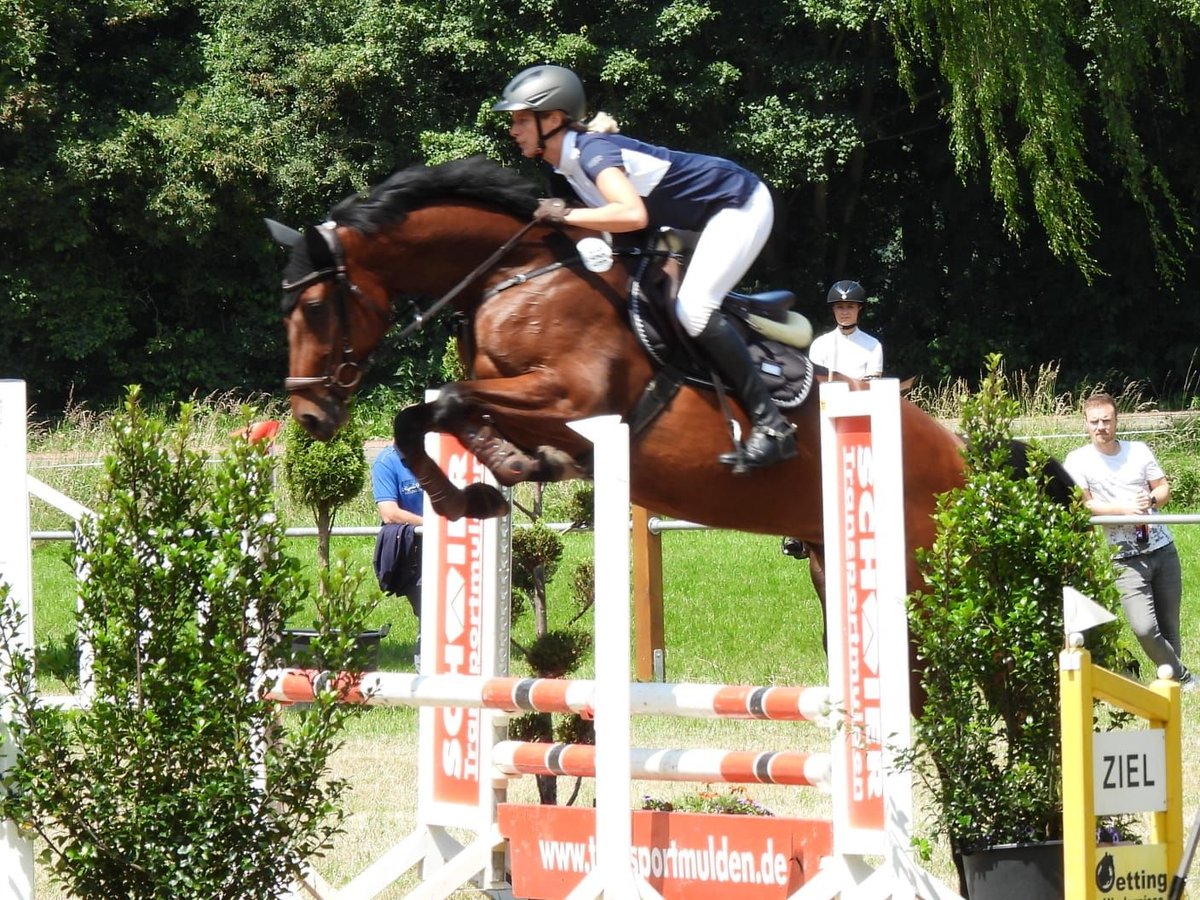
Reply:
x=179, y=779
x=989, y=628
x=1183, y=474
x=324, y=475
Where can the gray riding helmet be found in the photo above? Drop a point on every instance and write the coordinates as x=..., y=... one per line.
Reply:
x=544, y=88
x=846, y=291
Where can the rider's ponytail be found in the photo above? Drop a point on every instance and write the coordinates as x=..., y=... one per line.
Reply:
x=603, y=123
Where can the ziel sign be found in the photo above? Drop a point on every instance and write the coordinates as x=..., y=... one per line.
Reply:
x=1129, y=775
x=1129, y=772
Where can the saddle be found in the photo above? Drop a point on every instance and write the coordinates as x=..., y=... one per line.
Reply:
x=774, y=334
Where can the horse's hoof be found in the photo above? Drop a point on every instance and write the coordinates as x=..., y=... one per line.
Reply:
x=484, y=502
x=408, y=428
x=558, y=465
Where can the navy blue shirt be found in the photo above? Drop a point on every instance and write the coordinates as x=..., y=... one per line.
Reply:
x=680, y=190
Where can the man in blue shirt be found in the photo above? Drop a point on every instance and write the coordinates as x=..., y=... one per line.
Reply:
x=401, y=504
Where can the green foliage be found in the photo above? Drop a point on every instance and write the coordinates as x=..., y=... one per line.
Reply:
x=1183, y=474
x=1024, y=83
x=581, y=505
x=179, y=779
x=733, y=803
x=144, y=141
x=555, y=653
x=324, y=475
x=323, y=472
x=452, y=364
x=531, y=727
x=988, y=628
x=59, y=658
x=537, y=552
x=583, y=586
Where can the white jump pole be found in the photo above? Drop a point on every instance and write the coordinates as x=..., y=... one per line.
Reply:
x=612, y=877
x=16, y=566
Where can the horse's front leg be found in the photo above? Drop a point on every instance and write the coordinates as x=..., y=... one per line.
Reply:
x=487, y=415
x=509, y=463
x=475, y=501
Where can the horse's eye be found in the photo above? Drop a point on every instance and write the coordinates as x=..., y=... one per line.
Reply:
x=315, y=310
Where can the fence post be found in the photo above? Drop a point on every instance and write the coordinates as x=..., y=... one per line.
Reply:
x=648, y=635
x=16, y=565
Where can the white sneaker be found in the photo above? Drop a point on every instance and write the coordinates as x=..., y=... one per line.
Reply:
x=1189, y=685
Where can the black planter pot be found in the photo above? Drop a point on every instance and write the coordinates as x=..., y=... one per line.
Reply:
x=1027, y=871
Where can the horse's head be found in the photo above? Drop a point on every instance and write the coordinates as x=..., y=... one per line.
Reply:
x=339, y=281
x=333, y=323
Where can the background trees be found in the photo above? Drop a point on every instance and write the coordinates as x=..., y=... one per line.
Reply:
x=910, y=144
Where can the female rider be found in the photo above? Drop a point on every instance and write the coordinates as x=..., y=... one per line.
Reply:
x=628, y=185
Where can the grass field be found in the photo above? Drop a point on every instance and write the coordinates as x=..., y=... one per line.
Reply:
x=737, y=611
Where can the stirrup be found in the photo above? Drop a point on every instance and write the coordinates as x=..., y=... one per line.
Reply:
x=771, y=447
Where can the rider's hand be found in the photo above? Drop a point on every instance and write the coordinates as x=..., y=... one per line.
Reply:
x=551, y=209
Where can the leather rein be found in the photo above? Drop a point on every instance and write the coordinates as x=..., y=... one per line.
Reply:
x=344, y=375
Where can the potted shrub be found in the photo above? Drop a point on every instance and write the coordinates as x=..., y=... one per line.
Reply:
x=988, y=627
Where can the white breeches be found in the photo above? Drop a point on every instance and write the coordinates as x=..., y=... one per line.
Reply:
x=727, y=247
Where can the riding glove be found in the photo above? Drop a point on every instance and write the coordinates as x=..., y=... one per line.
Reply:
x=550, y=209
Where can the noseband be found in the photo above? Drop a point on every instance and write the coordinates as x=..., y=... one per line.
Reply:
x=343, y=376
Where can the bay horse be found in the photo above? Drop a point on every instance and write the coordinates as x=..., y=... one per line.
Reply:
x=546, y=342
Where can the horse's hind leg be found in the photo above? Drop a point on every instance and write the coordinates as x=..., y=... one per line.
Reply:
x=475, y=501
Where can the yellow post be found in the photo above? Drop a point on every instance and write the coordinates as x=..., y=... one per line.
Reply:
x=1079, y=815
x=1166, y=827
x=1080, y=685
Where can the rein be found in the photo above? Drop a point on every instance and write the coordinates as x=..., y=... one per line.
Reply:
x=420, y=318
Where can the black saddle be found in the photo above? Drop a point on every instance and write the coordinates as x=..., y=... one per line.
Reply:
x=786, y=370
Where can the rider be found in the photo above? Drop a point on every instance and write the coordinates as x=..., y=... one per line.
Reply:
x=628, y=185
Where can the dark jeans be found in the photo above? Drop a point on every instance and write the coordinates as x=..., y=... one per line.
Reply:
x=1151, y=592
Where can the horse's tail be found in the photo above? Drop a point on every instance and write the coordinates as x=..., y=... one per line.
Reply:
x=1060, y=487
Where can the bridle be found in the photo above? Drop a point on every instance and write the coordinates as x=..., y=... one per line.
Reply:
x=344, y=376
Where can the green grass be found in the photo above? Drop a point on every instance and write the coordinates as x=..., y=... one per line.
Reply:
x=737, y=611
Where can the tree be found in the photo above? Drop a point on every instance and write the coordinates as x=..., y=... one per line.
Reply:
x=1033, y=86
x=143, y=140
x=324, y=475
x=179, y=778
x=988, y=626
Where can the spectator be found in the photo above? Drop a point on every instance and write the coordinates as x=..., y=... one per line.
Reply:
x=1122, y=478
x=847, y=348
x=401, y=503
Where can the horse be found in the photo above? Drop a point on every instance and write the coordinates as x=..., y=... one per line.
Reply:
x=546, y=341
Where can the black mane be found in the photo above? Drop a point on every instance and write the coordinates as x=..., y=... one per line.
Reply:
x=474, y=178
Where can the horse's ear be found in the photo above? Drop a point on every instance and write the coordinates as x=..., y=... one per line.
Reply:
x=284, y=236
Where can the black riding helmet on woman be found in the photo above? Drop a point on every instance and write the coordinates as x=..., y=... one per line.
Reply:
x=628, y=185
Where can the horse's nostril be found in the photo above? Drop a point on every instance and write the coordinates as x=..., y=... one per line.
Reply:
x=315, y=426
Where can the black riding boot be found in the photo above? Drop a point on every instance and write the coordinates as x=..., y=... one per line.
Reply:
x=771, y=435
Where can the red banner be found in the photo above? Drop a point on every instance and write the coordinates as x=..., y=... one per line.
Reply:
x=459, y=636
x=684, y=856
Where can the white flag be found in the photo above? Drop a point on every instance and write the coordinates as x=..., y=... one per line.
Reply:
x=1081, y=612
